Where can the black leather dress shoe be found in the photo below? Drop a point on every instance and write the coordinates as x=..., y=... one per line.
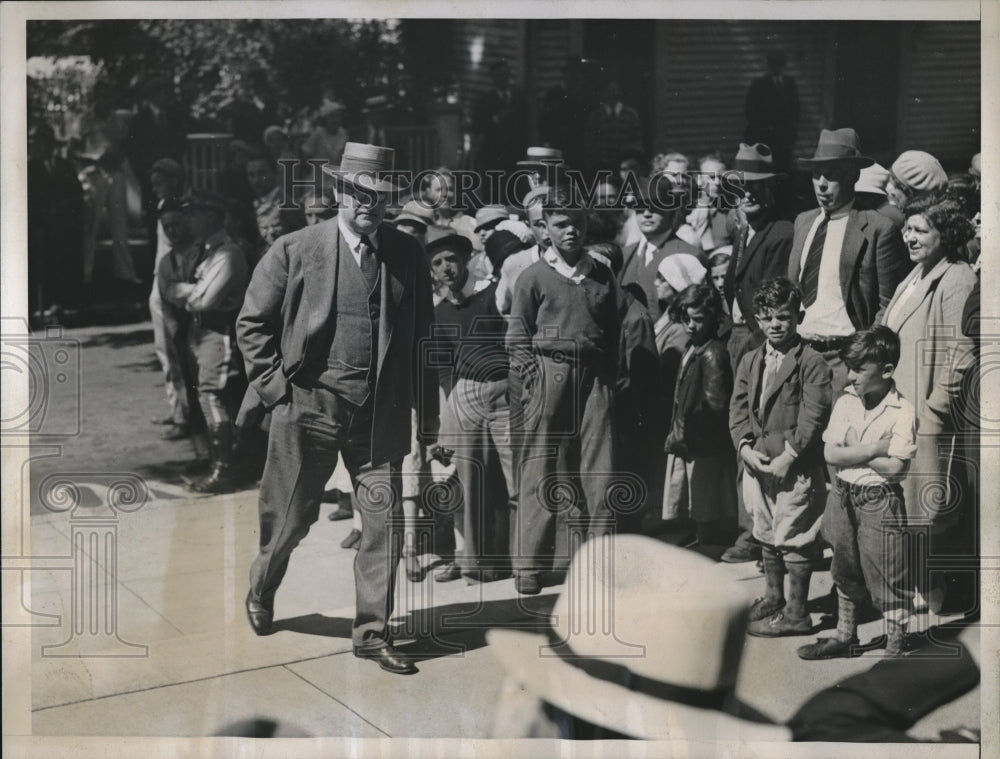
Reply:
x=388, y=658
x=261, y=616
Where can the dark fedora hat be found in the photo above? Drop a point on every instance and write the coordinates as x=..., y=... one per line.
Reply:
x=838, y=145
x=364, y=166
x=440, y=238
x=755, y=162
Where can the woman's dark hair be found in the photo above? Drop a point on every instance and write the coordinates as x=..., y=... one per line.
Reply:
x=945, y=214
x=703, y=296
x=963, y=187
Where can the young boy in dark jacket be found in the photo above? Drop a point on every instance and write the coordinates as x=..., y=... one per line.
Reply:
x=780, y=407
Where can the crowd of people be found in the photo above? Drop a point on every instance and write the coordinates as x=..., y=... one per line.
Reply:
x=693, y=351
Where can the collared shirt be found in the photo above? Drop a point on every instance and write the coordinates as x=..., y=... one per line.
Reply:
x=471, y=287
x=772, y=362
x=576, y=273
x=353, y=240
x=827, y=317
x=646, y=251
x=893, y=415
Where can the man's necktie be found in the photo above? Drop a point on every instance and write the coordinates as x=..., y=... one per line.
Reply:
x=772, y=361
x=369, y=266
x=810, y=274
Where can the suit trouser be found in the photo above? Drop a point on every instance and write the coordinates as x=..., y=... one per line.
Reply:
x=567, y=465
x=306, y=435
x=866, y=527
x=481, y=440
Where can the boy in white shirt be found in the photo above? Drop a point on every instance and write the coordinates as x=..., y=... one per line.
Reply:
x=871, y=439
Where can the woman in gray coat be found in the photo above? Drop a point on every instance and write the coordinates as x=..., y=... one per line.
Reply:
x=926, y=313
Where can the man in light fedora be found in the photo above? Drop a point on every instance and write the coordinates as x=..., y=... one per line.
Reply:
x=845, y=260
x=331, y=333
x=665, y=664
x=762, y=243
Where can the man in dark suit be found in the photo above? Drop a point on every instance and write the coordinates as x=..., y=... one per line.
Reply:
x=846, y=261
x=762, y=243
x=331, y=331
x=659, y=211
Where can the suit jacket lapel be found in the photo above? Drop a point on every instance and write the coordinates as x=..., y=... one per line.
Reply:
x=394, y=277
x=802, y=225
x=752, y=246
x=754, y=384
x=787, y=368
x=854, y=240
x=924, y=288
x=319, y=270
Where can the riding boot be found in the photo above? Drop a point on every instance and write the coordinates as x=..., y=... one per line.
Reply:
x=220, y=479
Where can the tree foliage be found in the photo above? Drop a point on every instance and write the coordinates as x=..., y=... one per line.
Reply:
x=205, y=66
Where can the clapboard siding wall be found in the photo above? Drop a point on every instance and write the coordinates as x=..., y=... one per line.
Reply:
x=939, y=106
x=478, y=44
x=703, y=71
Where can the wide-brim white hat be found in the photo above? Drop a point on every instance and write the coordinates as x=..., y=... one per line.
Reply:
x=646, y=640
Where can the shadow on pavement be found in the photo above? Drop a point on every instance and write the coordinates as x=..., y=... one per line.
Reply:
x=447, y=629
x=119, y=339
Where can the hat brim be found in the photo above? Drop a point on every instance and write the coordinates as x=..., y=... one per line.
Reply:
x=760, y=176
x=862, y=162
x=459, y=242
x=631, y=713
x=542, y=163
x=413, y=220
x=490, y=222
x=365, y=180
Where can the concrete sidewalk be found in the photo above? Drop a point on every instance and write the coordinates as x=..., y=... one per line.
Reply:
x=181, y=578
x=179, y=658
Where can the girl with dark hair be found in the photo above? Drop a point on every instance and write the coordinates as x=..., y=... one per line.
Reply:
x=701, y=466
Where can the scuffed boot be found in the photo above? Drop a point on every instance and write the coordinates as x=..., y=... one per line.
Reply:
x=774, y=592
x=793, y=619
x=220, y=479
